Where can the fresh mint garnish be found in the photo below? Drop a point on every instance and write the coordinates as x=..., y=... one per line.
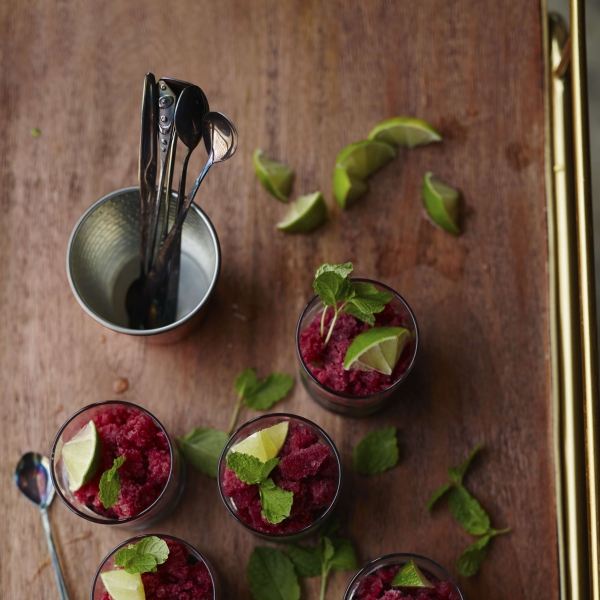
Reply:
x=202, y=448
x=469, y=513
x=276, y=502
x=144, y=556
x=336, y=290
x=250, y=469
x=35, y=132
x=376, y=452
x=110, y=484
x=306, y=562
x=271, y=575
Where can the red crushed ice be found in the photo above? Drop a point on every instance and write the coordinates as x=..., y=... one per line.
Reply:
x=131, y=433
x=377, y=586
x=179, y=578
x=327, y=364
x=308, y=468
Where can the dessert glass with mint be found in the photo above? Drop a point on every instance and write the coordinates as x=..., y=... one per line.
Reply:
x=280, y=477
x=113, y=463
x=399, y=576
x=356, y=340
x=154, y=566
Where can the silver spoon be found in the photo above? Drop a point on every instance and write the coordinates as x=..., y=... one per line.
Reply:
x=220, y=139
x=32, y=477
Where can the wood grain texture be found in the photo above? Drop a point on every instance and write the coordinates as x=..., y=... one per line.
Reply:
x=300, y=79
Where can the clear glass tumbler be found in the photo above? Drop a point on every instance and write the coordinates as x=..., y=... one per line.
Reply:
x=431, y=570
x=108, y=564
x=355, y=406
x=158, y=510
x=261, y=423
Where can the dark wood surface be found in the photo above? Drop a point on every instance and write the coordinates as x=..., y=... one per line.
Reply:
x=300, y=79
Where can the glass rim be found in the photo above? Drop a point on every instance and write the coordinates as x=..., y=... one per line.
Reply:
x=360, y=399
x=399, y=555
x=108, y=521
x=328, y=511
x=161, y=536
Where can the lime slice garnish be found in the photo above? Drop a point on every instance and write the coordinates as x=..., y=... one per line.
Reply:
x=123, y=586
x=82, y=455
x=276, y=177
x=411, y=576
x=442, y=203
x=405, y=131
x=361, y=159
x=264, y=444
x=347, y=189
x=377, y=349
x=305, y=214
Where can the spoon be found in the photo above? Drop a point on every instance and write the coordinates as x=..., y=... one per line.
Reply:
x=32, y=477
x=220, y=139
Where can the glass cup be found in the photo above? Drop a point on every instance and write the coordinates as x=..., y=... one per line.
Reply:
x=430, y=569
x=158, y=510
x=354, y=406
x=108, y=564
x=261, y=423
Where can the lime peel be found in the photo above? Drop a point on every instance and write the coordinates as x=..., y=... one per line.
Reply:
x=442, y=203
x=276, y=177
x=305, y=214
x=405, y=131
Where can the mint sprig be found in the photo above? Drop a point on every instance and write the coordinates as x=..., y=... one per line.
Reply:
x=376, y=452
x=144, y=556
x=110, y=484
x=271, y=576
x=250, y=469
x=202, y=448
x=469, y=513
x=337, y=291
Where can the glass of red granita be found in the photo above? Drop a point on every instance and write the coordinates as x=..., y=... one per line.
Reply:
x=374, y=581
x=185, y=571
x=151, y=477
x=308, y=471
x=351, y=392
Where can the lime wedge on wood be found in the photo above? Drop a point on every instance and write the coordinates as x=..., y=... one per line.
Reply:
x=81, y=455
x=264, y=444
x=121, y=585
x=377, y=349
x=442, y=202
x=305, y=214
x=276, y=177
x=347, y=189
x=411, y=576
x=405, y=131
x=361, y=159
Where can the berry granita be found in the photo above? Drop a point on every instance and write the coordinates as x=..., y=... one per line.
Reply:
x=127, y=432
x=307, y=467
x=326, y=362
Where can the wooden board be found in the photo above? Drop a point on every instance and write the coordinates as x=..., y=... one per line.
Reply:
x=300, y=79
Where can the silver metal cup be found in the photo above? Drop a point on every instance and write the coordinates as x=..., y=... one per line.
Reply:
x=103, y=258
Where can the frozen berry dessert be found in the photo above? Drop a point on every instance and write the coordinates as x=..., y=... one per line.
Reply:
x=280, y=479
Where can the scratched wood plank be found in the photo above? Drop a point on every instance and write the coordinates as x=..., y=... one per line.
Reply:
x=300, y=79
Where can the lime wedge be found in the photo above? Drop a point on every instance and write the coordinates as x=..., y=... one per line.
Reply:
x=121, y=585
x=442, y=203
x=405, y=131
x=361, y=159
x=377, y=349
x=276, y=177
x=305, y=214
x=411, y=576
x=82, y=456
x=264, y=444
x=347, y=189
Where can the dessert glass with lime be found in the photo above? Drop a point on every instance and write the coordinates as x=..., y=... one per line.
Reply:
x=359, y=368
x=184, y=570
x=398, y=576
x=304, y=471
x=148, y=482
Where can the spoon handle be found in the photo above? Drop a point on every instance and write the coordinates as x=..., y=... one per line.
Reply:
x=60, y=582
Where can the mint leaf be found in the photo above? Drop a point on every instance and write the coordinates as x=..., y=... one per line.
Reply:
x=266, y=393
x=202, y=448
x=437, y=495
x=110, y=484
x=305, y=559
x=155, y=546
x=276, y=503
x=344, y=557
x=468, y=512
x=369, y=291
x=457, y=473
x=332, y=288
x=144, y=556
x=343, y=270
x=271, y=575
x=250, y=469
x=470, y=560
x=245, y=382
x=376, y=452
x=35, y=132
x=365, y=317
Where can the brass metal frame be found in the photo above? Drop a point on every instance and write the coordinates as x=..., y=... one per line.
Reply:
x=572, y=306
